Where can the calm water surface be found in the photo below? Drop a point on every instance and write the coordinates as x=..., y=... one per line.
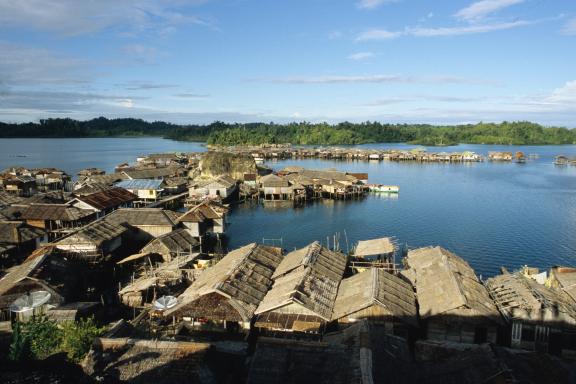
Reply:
x=492, y=214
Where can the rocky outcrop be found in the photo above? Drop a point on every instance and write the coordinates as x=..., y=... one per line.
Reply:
x=214, y=164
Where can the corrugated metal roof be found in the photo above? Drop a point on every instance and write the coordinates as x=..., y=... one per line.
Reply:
x=138, y=184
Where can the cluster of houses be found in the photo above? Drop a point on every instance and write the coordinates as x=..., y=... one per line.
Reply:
x=267, y=152
x=306, y=316
x=179, y=307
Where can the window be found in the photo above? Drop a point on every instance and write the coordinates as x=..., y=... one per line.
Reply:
x=150, y=192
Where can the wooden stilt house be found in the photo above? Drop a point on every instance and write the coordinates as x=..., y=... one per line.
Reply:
x=304, y=291
x=453, y=304
x=226, y=295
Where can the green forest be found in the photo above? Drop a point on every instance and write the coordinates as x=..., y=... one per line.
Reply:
x=219, y=133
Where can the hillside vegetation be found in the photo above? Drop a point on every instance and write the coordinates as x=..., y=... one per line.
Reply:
x=219, y=133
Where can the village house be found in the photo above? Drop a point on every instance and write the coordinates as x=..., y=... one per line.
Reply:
x=499, y=156
x=540, y=318
x=98, y=181
x=206, y=217
x=7, y=199
x=379, y=297
x=222, y=187
x=152, y=278
x=163, y=159
x=304, y=292
x=146, y=190
x=94, y=242
x=453, y=303
x=105, y=201
x=376, y=250
x=18, y=240
x=56, y=219
x=20, y=185
x=226, y=295
x=154, y=173
x=175, y=185
x=91, y=172
x=172, y=245
x=39, y=272
x=152, y=222
x=274, y=187
x=51, y=179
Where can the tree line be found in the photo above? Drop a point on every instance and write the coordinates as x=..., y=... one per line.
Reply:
x=219, y=133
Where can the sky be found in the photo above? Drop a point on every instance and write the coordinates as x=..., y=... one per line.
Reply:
x=197, y=61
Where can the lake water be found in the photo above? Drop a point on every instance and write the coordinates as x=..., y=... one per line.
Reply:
x=491, y=214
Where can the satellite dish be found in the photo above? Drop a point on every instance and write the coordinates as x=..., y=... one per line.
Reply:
x=165, y=302
x=30, y=301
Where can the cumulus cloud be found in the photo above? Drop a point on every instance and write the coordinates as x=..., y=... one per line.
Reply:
x=481, y=9
x=73, y=17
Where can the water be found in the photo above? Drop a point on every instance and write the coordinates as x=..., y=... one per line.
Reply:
x=491, y=214
x=73, y=155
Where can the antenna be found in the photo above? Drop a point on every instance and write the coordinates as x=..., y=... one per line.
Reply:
x=165, y=302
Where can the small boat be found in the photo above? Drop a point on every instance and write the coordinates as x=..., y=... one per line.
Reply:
x=380, y=188
x=560, y=160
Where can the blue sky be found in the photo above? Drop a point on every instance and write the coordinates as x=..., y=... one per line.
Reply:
x=196, y=61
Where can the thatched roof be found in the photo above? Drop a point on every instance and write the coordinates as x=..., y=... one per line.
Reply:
x=309, y=277
x=273, y=181
x=520, y=297
x=94, y=233
x=447, y=285
x=8, y=198
x=143, y=217
x=177, y=241
x=566, y=278
x=373, y=247
x=206, y=210
x=52, y=212
x=153, y=173
x=243, y=276
x=15, y=232
x=376, y=287
x=22, y=271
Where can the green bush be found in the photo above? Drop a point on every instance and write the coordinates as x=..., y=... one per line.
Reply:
x=41, y=337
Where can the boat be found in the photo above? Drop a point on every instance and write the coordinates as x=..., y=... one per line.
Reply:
x=560, y=160
x=380, y=188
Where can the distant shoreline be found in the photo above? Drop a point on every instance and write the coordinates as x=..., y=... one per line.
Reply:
x=301, y=133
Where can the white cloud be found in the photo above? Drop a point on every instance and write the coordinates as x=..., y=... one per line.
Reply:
x=466, y=30
x=378, y=34
x=381, y=34
x=73, y=17
x=371, y=4
x=359, y=56
x=480, y=9
x=570, y=27
x=376, y=79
